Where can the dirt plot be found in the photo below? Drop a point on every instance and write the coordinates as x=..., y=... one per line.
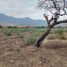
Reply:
x=14, y=53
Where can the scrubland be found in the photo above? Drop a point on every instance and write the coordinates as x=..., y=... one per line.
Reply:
x=17, y=50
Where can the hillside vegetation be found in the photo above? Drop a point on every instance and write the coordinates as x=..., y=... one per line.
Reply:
x=31, y=34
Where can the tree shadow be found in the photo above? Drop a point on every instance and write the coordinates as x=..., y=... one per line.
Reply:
x=53, y=44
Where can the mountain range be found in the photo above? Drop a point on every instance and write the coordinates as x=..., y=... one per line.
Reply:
x=13, y=21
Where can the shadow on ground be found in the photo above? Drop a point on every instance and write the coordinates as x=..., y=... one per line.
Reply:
x=55, y=44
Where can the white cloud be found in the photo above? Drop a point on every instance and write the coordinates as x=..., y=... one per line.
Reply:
x=20, y=8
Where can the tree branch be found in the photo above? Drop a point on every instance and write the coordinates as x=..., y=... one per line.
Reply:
x=46, y=17
x=58, y=22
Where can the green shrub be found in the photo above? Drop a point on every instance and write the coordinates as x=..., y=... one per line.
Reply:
x=60, y=33
x=51, y=36
x=29, y=40
x=7, y=31
x=11, y=27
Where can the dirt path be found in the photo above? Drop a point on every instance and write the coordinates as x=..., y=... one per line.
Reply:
x=53, y=53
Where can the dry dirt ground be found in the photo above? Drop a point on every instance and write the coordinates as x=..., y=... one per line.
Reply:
x=14, y=53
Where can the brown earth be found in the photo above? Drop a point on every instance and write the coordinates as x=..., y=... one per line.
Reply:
x=14, y=53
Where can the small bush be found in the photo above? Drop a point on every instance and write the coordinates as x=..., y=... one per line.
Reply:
x=11, y=27
x=7, y=32
x=29, y=40
x=60, y=33
x=51, y=36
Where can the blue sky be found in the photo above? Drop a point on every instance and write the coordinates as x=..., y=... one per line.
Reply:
x=21, y=8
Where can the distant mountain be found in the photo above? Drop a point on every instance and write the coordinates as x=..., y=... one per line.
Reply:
x=8, y=20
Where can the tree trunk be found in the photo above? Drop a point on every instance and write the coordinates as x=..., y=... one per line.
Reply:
x=39, y=41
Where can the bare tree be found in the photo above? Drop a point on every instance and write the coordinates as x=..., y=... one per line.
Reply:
x=57, y=8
